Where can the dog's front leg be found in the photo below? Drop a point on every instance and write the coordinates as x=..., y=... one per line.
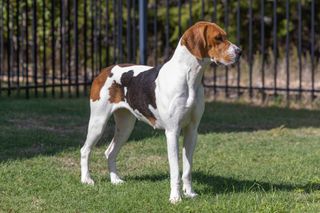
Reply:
x=173, y=154
x=189, y=142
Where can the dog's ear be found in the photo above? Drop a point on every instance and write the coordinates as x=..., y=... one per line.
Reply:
x=195, y=40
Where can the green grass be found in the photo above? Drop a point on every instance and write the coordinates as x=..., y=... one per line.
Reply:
x=248, y=159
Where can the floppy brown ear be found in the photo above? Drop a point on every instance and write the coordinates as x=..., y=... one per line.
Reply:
x=195, y=41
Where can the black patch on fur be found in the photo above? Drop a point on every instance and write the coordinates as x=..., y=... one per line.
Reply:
x=126, y=78
x=141, y=90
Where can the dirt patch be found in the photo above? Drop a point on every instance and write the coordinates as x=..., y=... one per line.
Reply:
x=143, y=161
x=41, y=123
x=68, y=163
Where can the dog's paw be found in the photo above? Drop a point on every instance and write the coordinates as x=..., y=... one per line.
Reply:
x=175, y=200
x=191, y=194
x=188, y=192
x=117, y=181
x=88, y=181
x=175, y=197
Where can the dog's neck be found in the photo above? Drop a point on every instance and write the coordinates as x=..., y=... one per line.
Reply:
x=189, y=64
x=190, y=71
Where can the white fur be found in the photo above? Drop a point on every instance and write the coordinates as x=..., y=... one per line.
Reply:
x=180, y=105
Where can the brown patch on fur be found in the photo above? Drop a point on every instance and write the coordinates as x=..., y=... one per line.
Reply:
x=227, y=58
x=125, y=65
x=99, y=81
x=206, y=40
x=116, y=93
x=195, y=41
x=152, y=120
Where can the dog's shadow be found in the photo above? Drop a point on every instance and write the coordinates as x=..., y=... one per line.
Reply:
x=212, y=184
x=218, y=118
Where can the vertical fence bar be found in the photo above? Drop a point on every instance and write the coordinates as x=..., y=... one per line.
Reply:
x=262, y=50
x=238, y=44
x=44, y=45
x=287, y=51
x=312, y=48
x=120, y=31
x=214, y=14
x=76, y=44
x=202, y=18
x=202, y=9
x=95, y=42
x=99, y=36
x=250, y=50
x=167, y=31
x=18, y=44
x=143, y=31
x=35, y=46
x=22, y=45
x=275, y=43
x=1, y=43
x=179, y=18
x=134, y=38
x=114, y=39
x=129, y=46
x=27, y=48
x=155, y=32
x=190, y=13
x=214, y=19
x=69, y=45
x=226, y=23
x=107, y=32
x=9, y=48
x=299, y=48
x=62, y=47
x=12, y=69
x=53, y=52
x=92, y=39
x=85, y=53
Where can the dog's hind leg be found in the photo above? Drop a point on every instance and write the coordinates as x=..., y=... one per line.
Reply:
x=124, y=125
x=100, y=113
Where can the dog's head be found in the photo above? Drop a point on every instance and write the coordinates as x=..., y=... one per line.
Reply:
x=207, y=40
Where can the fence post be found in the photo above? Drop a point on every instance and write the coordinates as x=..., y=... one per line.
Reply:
x=143, y=31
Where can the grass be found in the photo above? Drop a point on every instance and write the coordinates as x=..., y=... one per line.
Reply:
x=248, y=159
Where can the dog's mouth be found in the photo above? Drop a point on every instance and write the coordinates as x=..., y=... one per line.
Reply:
x=219, y=63
x=213, y=60
x=235, y=60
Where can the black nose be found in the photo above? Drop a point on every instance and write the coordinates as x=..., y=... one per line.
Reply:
x=238, y=51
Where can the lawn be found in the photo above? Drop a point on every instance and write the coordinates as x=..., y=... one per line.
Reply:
x=248, y=159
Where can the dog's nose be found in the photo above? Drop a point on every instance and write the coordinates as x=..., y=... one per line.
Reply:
x=239, y=51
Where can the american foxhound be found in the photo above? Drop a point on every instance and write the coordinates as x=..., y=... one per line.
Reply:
x=170, y=97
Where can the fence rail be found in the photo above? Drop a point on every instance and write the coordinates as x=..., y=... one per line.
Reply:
x=56, y=48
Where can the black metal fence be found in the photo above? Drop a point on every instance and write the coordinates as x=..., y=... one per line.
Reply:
x=56, y=48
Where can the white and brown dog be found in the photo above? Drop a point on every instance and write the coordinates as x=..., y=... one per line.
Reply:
x=169, y=97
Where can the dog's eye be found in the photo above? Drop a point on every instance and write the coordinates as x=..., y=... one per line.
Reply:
x=218, y=38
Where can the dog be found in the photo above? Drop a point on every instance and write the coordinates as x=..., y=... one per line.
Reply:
x=168, y=97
